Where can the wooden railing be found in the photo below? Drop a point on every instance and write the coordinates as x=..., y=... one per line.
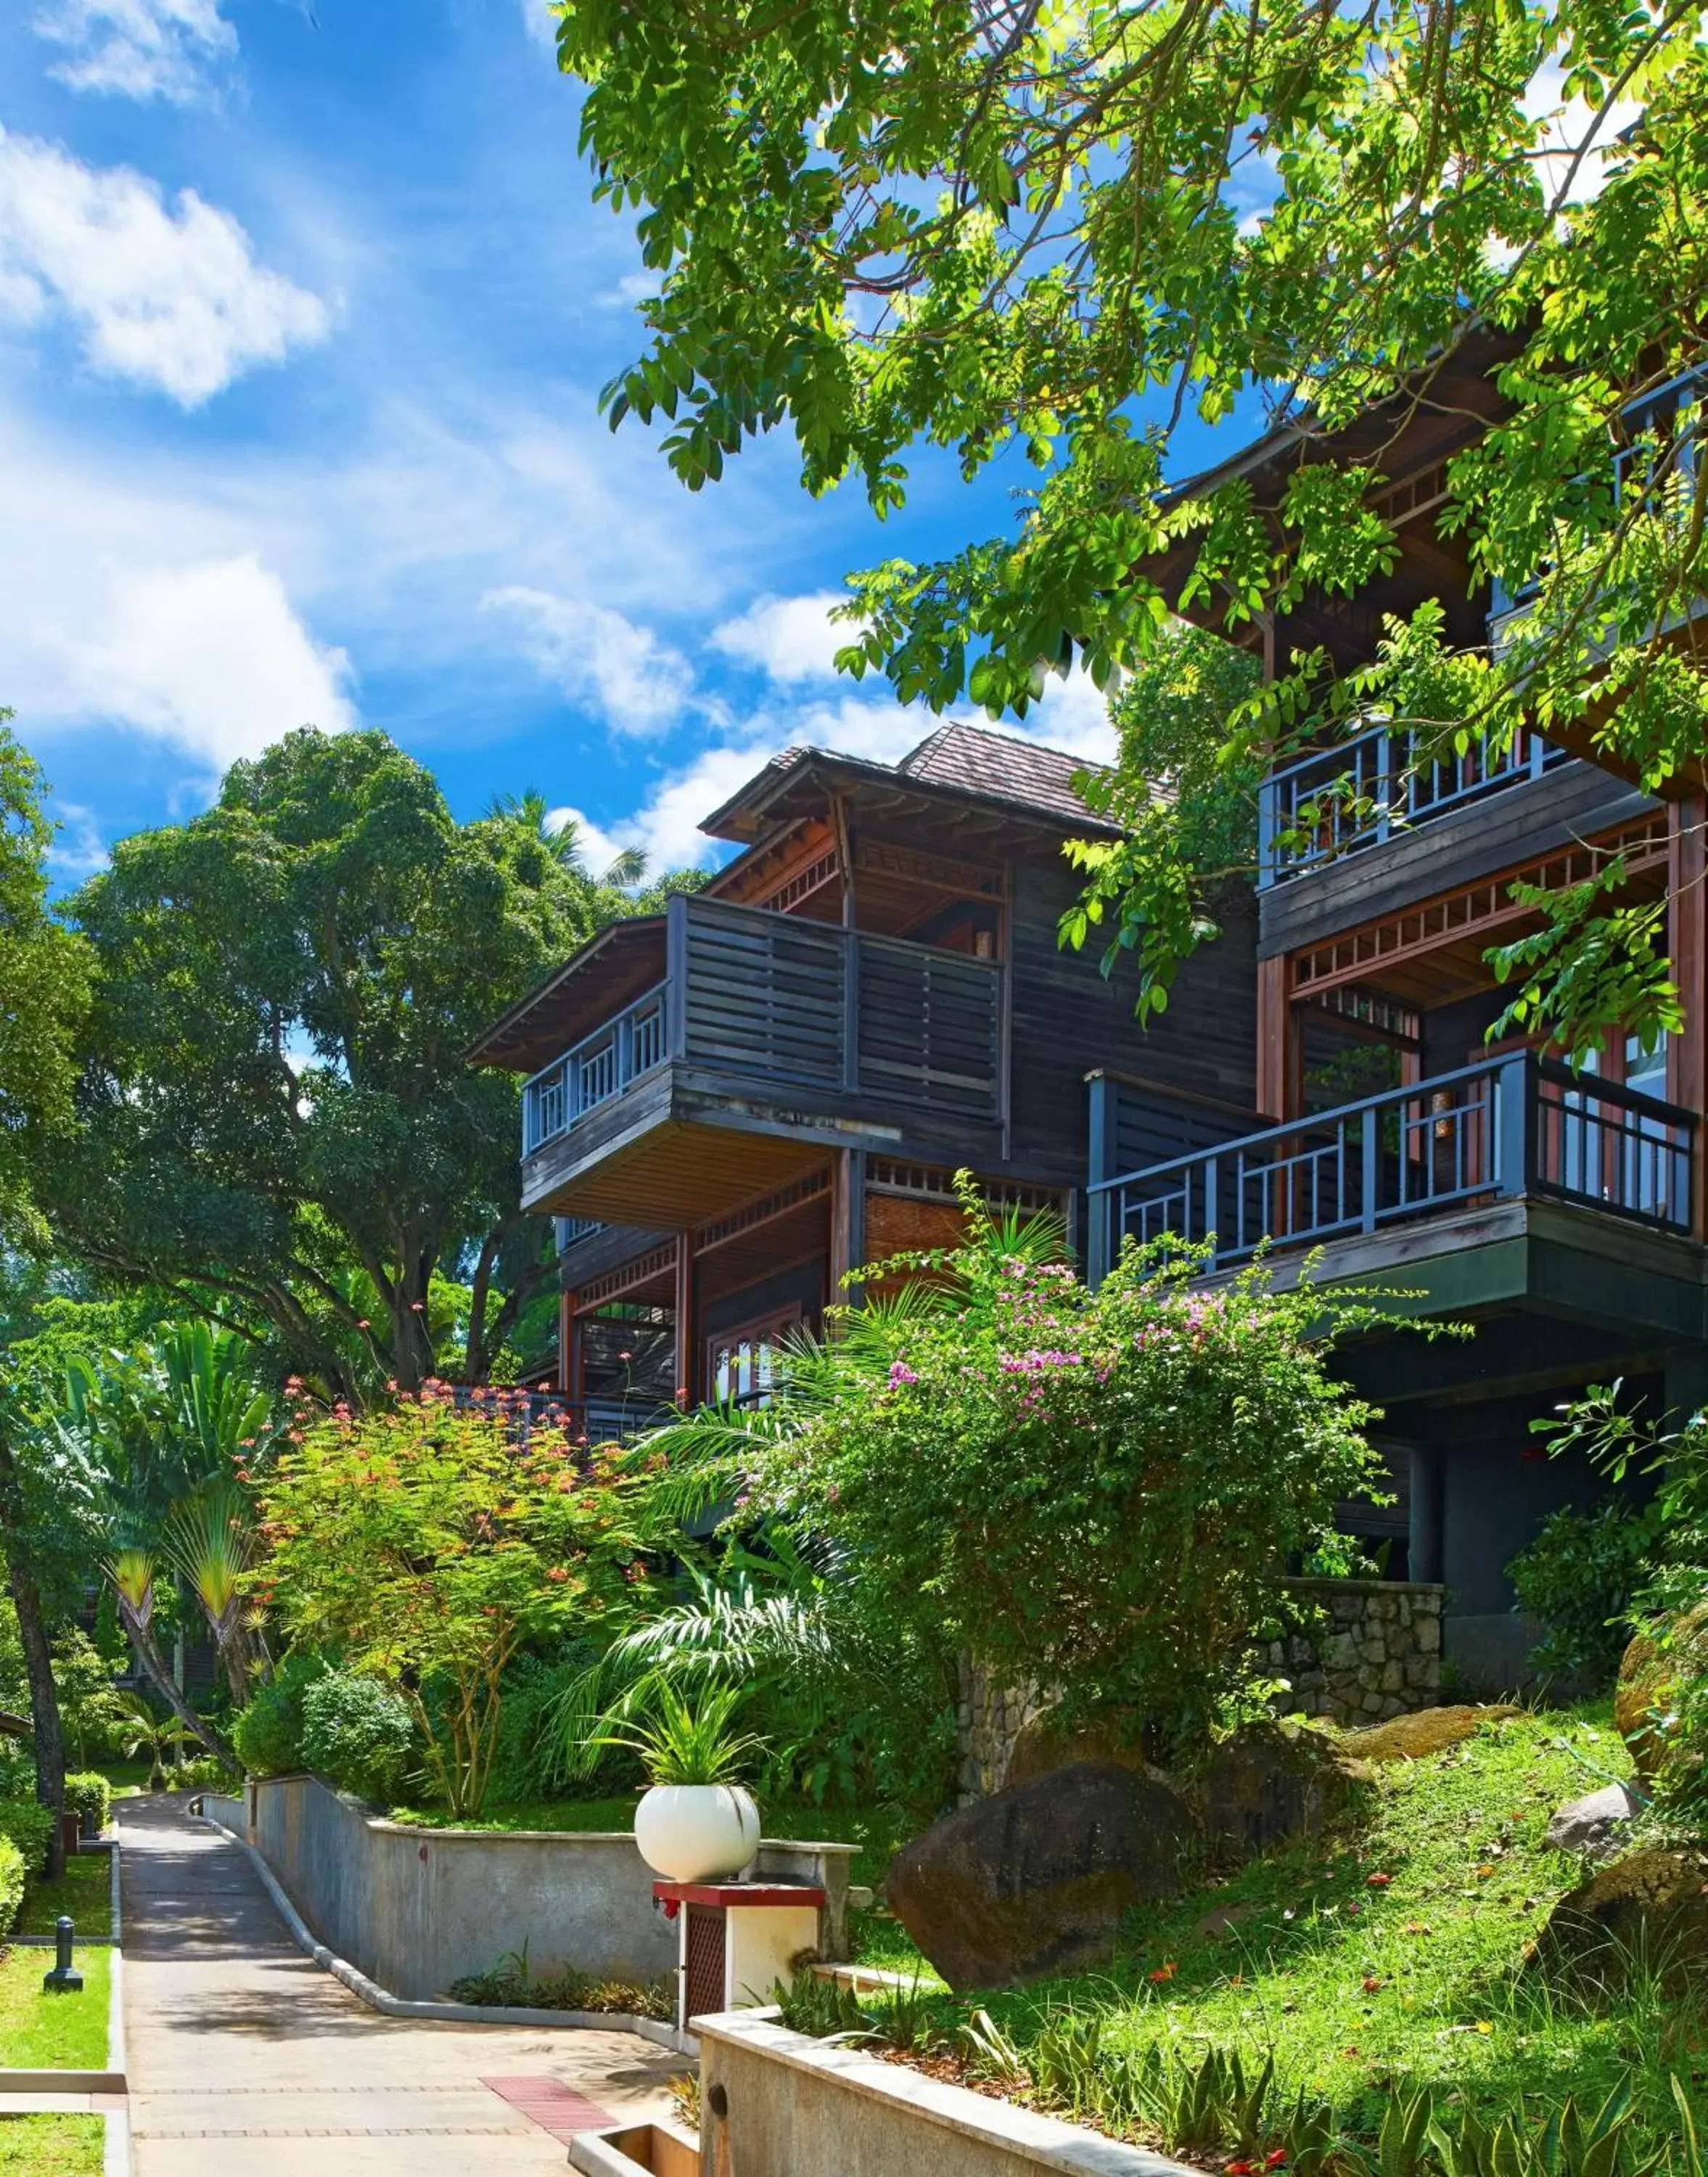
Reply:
x=783, y=1002
x=1508, y=1127
x=1338, y=800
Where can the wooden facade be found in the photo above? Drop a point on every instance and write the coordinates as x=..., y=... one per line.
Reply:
x=1559, y=1212
x=736, y=1104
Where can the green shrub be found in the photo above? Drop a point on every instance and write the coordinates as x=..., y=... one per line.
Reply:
x=359, y=1734
x=512, y=1984
x=1578, y=1579
x=207, y=1773
x=12, y=1876
x=87, y=1792
x=27, y=1823
x=268, y=1733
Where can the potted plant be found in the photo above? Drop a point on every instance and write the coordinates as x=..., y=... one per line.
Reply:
x=696, y=1822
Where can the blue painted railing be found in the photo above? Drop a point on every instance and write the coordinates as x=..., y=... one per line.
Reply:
x=1337, y=800
x=1513, y=1126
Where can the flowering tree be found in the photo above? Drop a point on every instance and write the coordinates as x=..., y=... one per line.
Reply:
x=425, y=1544
x=1097, y=1492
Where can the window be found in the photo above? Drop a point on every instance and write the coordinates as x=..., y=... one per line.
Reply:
x=741, y=1363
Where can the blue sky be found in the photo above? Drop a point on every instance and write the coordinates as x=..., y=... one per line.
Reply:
x=303, y=312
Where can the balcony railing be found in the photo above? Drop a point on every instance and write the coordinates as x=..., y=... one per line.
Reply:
x=792, y=1004
x=1338, y=800
x=1508, y=1127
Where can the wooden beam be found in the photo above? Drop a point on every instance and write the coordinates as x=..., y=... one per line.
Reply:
x=1277, y=1084
x=566, y=1340
x=687, y=1370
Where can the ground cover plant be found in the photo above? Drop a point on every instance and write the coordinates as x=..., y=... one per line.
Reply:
x=85, y=1890
x=513, y=1982
x=1367, y=1968
x=39, y=2032
x=51, y=2145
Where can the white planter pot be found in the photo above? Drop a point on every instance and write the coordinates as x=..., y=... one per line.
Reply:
x=696, y=1832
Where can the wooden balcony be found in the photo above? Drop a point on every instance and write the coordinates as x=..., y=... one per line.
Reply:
x=1511, y=1128
x=774, y=1027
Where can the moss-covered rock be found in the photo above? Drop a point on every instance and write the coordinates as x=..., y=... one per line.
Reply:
x=1044, y=1745
x=1645, y=1914
x=1271, y=1783
x=1427, y=1730
x=1648, y=1676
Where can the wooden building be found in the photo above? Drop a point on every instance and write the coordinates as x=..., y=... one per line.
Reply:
x=1559, y=1211
x=734, y=1103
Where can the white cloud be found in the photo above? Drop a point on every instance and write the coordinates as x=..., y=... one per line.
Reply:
x=211, y=658
x=77, y=850
x=169, y=297
x=541, y=24
x=178, y=50
x=633, y=289
x=1072, y=714
x=789, y=639
x=1570, y=129
x=638, y=683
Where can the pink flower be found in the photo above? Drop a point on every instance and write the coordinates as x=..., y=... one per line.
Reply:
x=900, y=1374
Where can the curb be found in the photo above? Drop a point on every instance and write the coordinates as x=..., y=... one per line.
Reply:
x=61, y=2083
x=457, y=2014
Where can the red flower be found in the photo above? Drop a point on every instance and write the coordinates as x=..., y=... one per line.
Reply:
x=558, y=1573
x=1377, y=1881
x=1276, y=2159
x=1167, y=1971
x=1373, y=1985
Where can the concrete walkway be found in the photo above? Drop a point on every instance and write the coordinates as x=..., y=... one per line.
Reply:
x=246, y=2061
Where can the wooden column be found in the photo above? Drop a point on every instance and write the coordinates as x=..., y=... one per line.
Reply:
x=567, y=1342
x=1278, y=1052
x=687, y=1357
x=1687, y=1064
x=847, y=1222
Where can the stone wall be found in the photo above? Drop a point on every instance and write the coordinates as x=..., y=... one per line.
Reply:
x=989, y=1720
x=1379, y=1656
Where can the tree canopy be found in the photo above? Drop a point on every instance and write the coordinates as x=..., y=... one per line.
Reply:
x=278, y=1126
x=44, y=990
x=1012, y=227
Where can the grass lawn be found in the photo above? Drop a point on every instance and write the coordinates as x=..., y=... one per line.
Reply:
x=51, y=2145
x=1355, y=1988
x=127, y=1778
x=85, y=1890
x=879, y=1831
x=55, y=2032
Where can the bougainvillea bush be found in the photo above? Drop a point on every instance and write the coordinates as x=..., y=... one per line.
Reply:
x=426, y=1545
x=1098, y=1492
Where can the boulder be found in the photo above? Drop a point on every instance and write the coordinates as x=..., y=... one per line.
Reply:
x=1036, y=1879
x=1647, y=1913
x=1272, y=1782
x=1648, y=1673
x=1596, y=1823
x=1426, y=1731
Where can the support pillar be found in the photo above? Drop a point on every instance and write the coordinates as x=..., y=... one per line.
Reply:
x=687, y=1364
x=1687, y=946
x=1277, y=1055
x=848, y=1223
x=1425, y=1553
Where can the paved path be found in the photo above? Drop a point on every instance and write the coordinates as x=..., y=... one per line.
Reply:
x=246, y=2061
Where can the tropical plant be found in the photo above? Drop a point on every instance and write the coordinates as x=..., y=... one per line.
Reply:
x=1086, y=235
x=267, y=1734
x=210, y=1540
x=1578, y=1578
x=161, y=1739
x=681, y=1740
x=1095, y=1491
x=359, y=1734
x=426, y=1545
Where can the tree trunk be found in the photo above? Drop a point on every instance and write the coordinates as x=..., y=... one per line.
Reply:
x=38, y=1661
x=159, y=1675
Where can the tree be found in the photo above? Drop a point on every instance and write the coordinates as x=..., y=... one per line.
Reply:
x=1002, y=226
x=424, y=1545
x=279, y=1129
x=1098, y=1493
x=44, y=995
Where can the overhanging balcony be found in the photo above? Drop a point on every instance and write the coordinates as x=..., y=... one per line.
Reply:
x=1340, y=800
x=1511, y=1128
x=771, y=1026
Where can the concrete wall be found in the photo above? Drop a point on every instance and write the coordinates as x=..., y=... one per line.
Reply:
x=416, y=1909
x=774, y=2103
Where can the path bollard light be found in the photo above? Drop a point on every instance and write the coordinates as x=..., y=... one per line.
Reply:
x=63, y=1980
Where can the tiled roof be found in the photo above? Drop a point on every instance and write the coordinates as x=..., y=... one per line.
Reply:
x=1000, y=767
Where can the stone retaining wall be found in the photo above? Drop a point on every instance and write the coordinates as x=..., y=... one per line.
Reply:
x=1379, y=1657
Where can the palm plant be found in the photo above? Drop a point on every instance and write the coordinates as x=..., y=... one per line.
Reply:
x=208, y=1539
x=142, y=1732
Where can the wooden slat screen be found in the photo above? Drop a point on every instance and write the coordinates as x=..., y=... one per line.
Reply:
x=765, y=995
x=930, y=1028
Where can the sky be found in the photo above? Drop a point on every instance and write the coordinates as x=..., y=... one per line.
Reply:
x=304, y=308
